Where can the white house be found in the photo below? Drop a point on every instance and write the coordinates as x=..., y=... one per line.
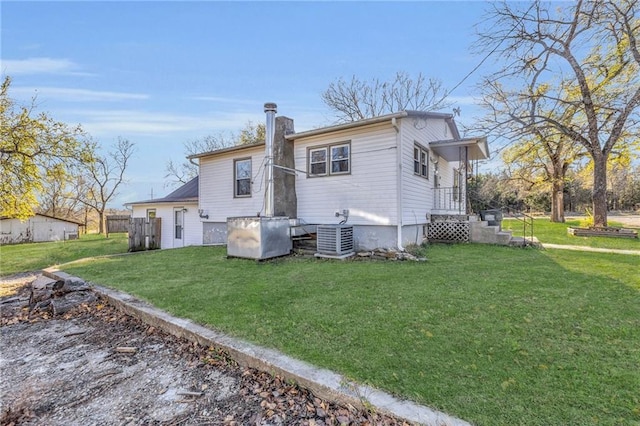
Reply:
x=181, y=224
x=38, y=228
x=387, y=176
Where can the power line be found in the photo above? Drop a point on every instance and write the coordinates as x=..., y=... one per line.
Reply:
x=492, y=50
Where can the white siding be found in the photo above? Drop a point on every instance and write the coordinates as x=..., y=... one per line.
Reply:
x=217, y=186
x=192, y=231
x=417, y=191
x=445, y=169
x=35, y=229
x=368, y=192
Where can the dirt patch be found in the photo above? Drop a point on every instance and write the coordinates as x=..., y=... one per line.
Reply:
x=95, y=365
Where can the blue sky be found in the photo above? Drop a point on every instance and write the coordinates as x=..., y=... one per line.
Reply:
x=162, y=73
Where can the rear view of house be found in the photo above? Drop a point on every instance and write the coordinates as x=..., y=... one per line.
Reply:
x=385, y=177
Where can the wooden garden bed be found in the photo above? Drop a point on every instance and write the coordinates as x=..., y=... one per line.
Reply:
x=603, y=232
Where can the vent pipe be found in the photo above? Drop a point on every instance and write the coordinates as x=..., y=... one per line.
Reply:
x=270, y=109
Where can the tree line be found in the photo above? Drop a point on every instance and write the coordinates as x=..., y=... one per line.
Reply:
x=52, y=168
x=503, y=190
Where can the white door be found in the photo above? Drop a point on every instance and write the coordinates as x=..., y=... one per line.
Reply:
x=178, y=227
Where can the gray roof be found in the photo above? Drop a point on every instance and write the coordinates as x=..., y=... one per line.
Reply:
x=48, y=216
x=186, y=193
x=227, y=149
x=476, y=148
x=343, y=126
x=402, y=114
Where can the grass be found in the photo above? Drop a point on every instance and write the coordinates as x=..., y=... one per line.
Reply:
x=36, y=256
x=494, y=335
x=556, y=233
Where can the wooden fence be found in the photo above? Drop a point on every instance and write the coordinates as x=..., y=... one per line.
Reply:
x=144, y=234
x=117, y=223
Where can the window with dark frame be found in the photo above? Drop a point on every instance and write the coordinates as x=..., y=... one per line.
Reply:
x=242, y=177
x=318, y=161
x=328, y=160
x=420, y=161
x=340, y=159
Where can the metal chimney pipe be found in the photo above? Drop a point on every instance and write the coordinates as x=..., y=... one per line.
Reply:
x=270, y=109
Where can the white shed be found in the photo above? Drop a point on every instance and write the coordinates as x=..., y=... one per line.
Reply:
x=36, y=229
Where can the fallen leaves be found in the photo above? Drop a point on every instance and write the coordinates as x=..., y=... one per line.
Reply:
x=277, y=401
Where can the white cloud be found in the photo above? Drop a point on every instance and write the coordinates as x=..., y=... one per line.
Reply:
x=464, y=100
x=77, y=95
x=123, y=122
x=221, y=99
x=40, y=66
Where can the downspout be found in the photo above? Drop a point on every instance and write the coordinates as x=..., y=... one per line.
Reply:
x=200, y=209
x=394, y=123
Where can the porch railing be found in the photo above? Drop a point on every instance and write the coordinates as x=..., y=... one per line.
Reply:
x=526, y=220
x=450, y=200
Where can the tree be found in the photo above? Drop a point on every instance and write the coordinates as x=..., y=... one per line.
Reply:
x=59, y=194
x=34, y=148
x=181, y=173
x=581, y=62
x=103, y=177
x=534, y=153
x=357, y=99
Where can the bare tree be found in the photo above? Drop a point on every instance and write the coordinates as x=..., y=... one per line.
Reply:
x=59, y=196
x=581, y=61
x=357, y=99
x=534, y=152
x=103, y=177
x=181, y=173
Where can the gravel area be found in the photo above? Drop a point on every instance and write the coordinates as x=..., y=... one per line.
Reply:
x=95, y=365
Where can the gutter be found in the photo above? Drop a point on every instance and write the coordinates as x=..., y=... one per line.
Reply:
x=374, y=120
x=399, y=182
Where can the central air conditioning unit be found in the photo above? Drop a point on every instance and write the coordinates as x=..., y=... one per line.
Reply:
x=335, y=240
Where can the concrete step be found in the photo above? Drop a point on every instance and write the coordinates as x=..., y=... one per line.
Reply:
x=521, y=242
x=481, y=232
x=503, y=238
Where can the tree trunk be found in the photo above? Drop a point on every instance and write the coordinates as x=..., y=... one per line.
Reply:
x=599, y=196
x=557, y=201
x=102, y=226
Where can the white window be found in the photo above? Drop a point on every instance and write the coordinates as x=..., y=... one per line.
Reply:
x=177, y=221
x=151, y=214
x=420, y=161
x=340, y=159
x=329, y=160
x=318, y=162
x=242, y=178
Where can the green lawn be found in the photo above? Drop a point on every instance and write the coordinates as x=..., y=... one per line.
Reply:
x=494, y=335
x=36, y=256
x=556, y=233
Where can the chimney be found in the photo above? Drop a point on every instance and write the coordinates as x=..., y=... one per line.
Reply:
x=270, y=109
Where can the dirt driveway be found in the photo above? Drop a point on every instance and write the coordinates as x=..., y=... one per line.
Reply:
x=632, y=220
x=97, y=366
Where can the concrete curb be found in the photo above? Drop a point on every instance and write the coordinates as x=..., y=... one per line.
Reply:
x=592, y=249
x=323, y=383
